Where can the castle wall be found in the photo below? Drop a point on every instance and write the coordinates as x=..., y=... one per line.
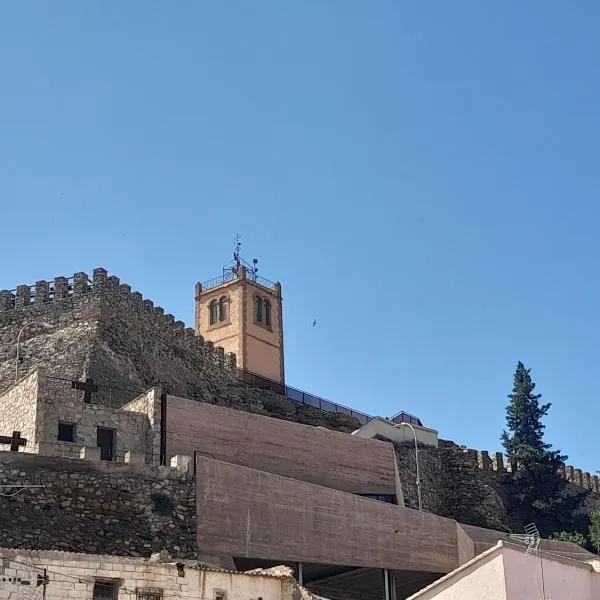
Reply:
x=18, y=411
x=96, y=507
x=64, y=349
x=312, y=454
x=248, y=513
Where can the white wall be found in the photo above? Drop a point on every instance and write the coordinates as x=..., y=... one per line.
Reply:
x=529, y=577
x=483, y=579
x=388, y=429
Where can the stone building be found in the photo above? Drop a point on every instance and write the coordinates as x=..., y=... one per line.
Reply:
x=60, y=575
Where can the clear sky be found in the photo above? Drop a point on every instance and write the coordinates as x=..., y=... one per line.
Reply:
x=422, y=177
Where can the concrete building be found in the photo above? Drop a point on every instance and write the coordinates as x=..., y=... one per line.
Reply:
x=505, y=572
x=379, y=427
x=60, y=575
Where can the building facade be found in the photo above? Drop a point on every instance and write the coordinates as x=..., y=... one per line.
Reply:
x=243, y=313
x=60, y=575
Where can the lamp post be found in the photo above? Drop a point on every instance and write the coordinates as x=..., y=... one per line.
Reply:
x=41, y=324
x=416, y=460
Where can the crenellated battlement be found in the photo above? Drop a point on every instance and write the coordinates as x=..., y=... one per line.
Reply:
x=496, y=461
x=60, y=288
x=109, y=287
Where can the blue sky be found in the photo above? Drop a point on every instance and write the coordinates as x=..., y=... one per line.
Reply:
x=421, y=177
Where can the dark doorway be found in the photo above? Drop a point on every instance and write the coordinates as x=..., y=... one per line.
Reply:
x=106, y=442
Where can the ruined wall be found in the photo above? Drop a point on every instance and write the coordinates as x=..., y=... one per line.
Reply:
x=102, y=507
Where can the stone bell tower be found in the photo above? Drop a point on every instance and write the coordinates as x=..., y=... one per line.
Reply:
x=242, y=312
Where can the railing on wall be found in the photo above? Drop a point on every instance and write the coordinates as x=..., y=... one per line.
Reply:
x=404, y=417
x=225, y=278
x=230, y=276
x=301, y=397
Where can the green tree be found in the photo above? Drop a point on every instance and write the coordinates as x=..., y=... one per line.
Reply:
x=539, y=493
x=595, y=530
x=570, y=536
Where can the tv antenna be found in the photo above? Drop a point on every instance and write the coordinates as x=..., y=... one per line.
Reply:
x=230, y=269
x=531, y=538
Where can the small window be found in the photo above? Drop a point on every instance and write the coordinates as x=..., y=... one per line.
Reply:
x=220, y=595
x=267, y=313
x=223, y=309
x=66, y=432
x=105, y=590
x=148, y=594
x=213, y=309
x=258, y=309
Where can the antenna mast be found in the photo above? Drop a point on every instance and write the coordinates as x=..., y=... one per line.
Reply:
x=230, y=270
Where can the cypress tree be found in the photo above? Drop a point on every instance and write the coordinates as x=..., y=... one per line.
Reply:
x=539, y=493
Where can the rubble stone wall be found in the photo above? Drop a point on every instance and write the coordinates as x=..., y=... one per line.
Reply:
x=95, y=507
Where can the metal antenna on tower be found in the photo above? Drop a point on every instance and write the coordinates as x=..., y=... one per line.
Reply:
x=231, y=269
x=237, y=248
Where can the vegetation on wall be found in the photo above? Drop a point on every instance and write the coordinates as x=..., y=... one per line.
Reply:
x=539, y=494
x=571, y=536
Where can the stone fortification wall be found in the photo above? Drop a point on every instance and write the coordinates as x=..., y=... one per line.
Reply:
x=497, y=462
x=71, y=311
x=451, y=485
x=100, y=329
x=95, y=507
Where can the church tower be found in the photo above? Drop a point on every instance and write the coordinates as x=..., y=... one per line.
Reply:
x=242, y=312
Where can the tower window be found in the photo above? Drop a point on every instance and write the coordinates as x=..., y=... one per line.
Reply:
x=223, y=309
x=267, y=313
x=213, y=312
x=258, y=308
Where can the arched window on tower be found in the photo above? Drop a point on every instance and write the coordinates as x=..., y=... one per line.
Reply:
x=223, y=309
x=267, y=313
x=213, y=312
x=258, y=309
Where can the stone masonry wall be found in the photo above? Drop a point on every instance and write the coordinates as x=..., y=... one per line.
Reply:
x=495, y=462
x=18, y=408
x=451, y=486
x=91, y=507
x=104, y=331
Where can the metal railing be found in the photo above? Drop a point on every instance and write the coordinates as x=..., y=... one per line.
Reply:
x=261, y=281
x=299, y=396
x=225, y=278
x=231, y=276
x=302, y=397
x=404, y=417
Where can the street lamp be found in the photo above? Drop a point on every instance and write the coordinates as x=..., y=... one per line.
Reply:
x=416, y=460
x=41, y=324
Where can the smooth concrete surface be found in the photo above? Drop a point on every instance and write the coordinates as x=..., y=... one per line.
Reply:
x=247, y=513
x=313, y=454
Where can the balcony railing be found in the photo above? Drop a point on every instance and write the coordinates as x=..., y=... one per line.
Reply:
x=225, y=278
